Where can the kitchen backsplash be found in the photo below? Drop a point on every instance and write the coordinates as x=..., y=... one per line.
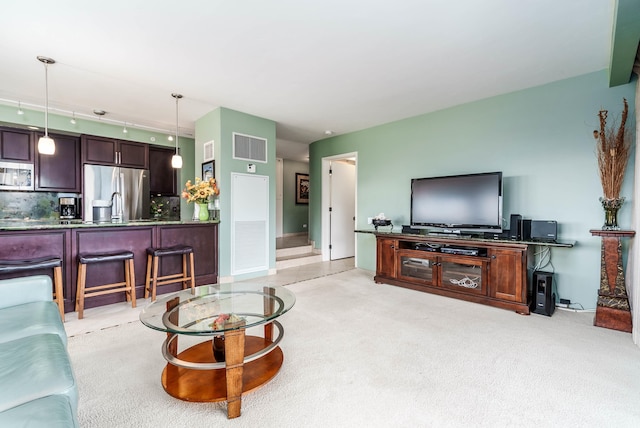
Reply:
x=165, y=207
x=30, y=205
x=45, y=206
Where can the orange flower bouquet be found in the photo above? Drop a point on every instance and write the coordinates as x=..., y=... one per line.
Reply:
x=200, y=191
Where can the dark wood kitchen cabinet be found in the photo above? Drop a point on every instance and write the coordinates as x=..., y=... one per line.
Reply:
x=16, y=145
x=60, y=172
x=162, y=176
x=109, y=151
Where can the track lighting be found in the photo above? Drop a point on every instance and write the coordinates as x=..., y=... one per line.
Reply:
x=46, y=145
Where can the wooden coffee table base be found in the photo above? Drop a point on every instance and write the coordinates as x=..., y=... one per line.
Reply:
x=211, y=385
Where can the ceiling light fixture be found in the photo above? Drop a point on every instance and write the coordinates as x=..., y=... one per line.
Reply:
x=328, y=132
x=176, y=160
x=170, y=138
x=73, y=118
x=46, y=145
x=20, y=112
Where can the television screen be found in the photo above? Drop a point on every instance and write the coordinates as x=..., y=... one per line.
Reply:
x=471, y=202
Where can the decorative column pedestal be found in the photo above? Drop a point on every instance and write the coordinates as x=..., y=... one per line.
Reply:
x=613, y=309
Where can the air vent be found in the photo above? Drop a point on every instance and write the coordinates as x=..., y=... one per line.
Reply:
x=208, y=151
x=246, y=147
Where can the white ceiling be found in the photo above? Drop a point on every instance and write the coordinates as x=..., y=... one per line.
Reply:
x=310, y=66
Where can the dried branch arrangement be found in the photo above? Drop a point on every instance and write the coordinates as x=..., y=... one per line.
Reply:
x=612, y=150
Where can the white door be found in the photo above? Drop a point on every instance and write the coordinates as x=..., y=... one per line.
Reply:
x=342, y=210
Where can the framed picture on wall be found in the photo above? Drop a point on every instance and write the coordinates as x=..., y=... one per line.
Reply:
x=302, y=188
x=208, y=170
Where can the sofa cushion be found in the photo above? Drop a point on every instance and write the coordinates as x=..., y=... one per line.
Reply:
x=33, y=367
x=53, y=411
x=17, y=291
x=30, y=319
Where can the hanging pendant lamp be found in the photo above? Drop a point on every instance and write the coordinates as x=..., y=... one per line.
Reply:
x=46, y=145
x=176, y=160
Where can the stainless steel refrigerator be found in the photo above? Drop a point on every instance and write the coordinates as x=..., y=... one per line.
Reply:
x=126, y=189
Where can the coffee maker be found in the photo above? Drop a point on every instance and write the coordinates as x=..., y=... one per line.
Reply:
x=69, y=208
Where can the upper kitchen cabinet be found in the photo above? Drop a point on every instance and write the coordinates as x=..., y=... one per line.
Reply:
x=61, y=171
x=108, y=151
x=16, y=145
x=162, y=177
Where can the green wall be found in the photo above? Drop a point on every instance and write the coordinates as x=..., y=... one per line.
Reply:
x=540, y=138
x=295, y=216
x=219, y=126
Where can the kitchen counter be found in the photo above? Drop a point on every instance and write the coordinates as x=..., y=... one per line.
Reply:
x=28, y=239
x=75, y=224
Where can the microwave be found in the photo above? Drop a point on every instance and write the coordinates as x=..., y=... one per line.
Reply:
x=16, y=176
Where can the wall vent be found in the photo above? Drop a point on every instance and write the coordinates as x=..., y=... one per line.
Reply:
x=247, y=147
x=208, y=151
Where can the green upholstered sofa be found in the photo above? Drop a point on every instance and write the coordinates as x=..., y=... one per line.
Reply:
x=38, y=384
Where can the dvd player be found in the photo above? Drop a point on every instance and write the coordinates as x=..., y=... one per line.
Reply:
x=463, y=251
x=426, y=247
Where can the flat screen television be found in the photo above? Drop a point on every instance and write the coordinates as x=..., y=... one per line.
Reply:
x=470, y=203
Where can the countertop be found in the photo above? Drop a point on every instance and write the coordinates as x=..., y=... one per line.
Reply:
x=7, y=225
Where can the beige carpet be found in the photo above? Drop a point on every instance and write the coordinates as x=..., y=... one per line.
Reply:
x=362, y=354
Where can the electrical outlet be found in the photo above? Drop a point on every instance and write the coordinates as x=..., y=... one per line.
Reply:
x=304, y=226
x=369, y=220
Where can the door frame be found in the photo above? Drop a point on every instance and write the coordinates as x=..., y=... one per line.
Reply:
x=326, y=199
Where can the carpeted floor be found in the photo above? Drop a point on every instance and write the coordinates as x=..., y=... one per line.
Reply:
x=364, y=354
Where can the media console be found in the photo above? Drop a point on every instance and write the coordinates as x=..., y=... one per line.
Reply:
x=491, y=272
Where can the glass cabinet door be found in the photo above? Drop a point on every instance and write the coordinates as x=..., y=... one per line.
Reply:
x=418, y=266
x=464, y=275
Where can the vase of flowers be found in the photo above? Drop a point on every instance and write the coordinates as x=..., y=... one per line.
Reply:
x=613, y=148
x=200, y=193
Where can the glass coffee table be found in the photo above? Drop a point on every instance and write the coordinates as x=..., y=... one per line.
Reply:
x=231, y=362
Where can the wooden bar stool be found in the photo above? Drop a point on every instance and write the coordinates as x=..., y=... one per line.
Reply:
x=128, y=285
x=55, y=263
x=153, y=280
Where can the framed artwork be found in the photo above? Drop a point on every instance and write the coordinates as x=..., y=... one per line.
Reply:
x=302, y=188
x=208, y=170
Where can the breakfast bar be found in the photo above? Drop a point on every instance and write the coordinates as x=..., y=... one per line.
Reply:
x=67, y=239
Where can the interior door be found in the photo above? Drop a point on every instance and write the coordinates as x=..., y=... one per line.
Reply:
x=342, y=210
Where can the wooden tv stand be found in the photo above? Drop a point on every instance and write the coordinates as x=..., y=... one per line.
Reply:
x=477, y=270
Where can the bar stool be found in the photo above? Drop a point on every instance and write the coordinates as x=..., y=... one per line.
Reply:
x=128, y=285
x=49, y=262
x=152, y=280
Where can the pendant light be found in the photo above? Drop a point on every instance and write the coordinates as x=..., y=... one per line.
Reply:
x=46, y=145
x=176, y=160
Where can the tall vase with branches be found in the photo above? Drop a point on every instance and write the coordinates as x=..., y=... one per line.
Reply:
x=613, y=148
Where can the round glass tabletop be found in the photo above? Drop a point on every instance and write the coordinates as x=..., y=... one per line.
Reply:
x=214, y=309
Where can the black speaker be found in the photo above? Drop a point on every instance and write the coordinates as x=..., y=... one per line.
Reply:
x=544, y=230
x=515, y=226
x=543, y=300
x=525, y=230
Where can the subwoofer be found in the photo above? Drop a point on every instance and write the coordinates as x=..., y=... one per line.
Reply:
x=543, y=300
